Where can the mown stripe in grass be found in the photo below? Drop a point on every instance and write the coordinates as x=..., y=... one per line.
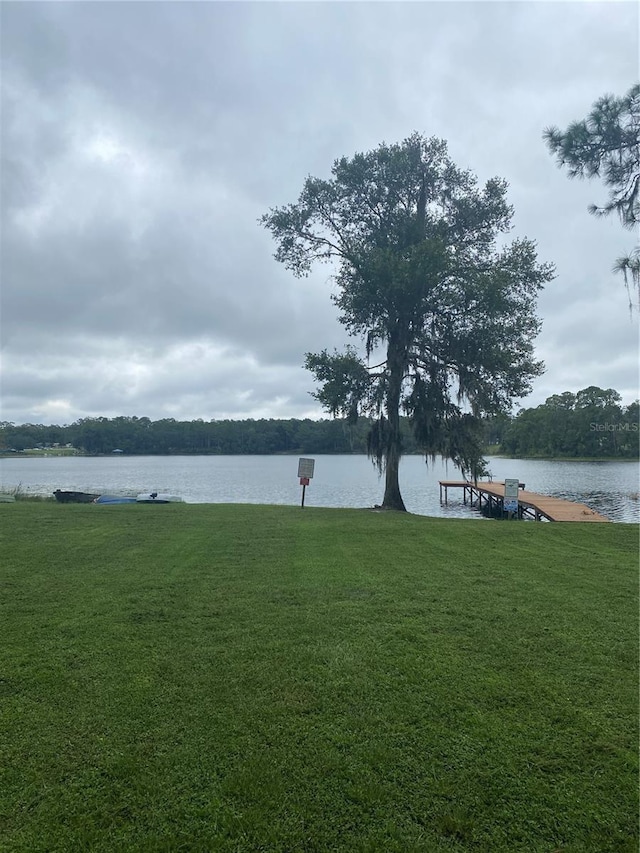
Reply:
x=264, y=678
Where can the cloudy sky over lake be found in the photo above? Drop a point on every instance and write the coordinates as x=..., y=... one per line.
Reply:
x=142, y=141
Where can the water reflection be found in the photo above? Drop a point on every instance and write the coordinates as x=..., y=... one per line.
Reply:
x=610, y=488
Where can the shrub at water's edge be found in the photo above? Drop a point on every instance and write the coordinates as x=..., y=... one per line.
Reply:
x=20, y=493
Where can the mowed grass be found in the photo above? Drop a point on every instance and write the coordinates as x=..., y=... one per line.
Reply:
x=246, y=678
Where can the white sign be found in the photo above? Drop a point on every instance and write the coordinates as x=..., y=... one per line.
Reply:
x=305, y=467
x=511, y=488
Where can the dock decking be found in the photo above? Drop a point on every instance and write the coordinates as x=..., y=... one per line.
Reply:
x=530, y=503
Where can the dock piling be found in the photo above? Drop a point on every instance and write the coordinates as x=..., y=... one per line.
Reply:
x=541, y=507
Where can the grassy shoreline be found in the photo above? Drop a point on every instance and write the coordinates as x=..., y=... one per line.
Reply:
x=244, y=678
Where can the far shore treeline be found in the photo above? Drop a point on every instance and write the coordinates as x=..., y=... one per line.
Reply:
x=589, y=424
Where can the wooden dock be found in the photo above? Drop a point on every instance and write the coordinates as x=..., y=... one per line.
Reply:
x=530, y=504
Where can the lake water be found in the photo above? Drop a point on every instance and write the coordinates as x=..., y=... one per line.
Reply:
x=610, y=488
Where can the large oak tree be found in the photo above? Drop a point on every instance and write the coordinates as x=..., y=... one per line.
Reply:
x=446, y=314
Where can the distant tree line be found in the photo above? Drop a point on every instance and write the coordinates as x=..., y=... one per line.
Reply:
x=135, y=435
x=591, y=423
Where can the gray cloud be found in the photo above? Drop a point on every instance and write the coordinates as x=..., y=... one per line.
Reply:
x=141, y=142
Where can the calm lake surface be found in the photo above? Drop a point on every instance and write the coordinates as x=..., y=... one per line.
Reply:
x=610, y=488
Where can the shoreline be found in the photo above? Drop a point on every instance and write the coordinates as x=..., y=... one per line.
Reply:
x=46, y=454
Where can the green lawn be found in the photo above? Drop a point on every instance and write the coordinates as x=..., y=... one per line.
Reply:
x=245, y=678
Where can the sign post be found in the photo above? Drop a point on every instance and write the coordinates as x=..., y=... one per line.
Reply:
x=305, y=473
x=511, y=496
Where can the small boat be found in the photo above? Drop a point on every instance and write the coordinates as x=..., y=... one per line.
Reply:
x=158, y=498
x=69, y=497
x=114, y=499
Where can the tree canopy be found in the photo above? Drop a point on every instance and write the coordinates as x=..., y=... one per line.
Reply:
x=591, y=423
x=606, y=145
x=445, y=313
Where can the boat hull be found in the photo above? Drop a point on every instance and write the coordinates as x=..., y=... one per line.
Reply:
x=66, y=497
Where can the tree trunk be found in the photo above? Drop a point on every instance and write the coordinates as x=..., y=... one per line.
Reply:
x=392, y=497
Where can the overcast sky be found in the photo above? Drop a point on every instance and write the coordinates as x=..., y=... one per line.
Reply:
x=142, y=141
